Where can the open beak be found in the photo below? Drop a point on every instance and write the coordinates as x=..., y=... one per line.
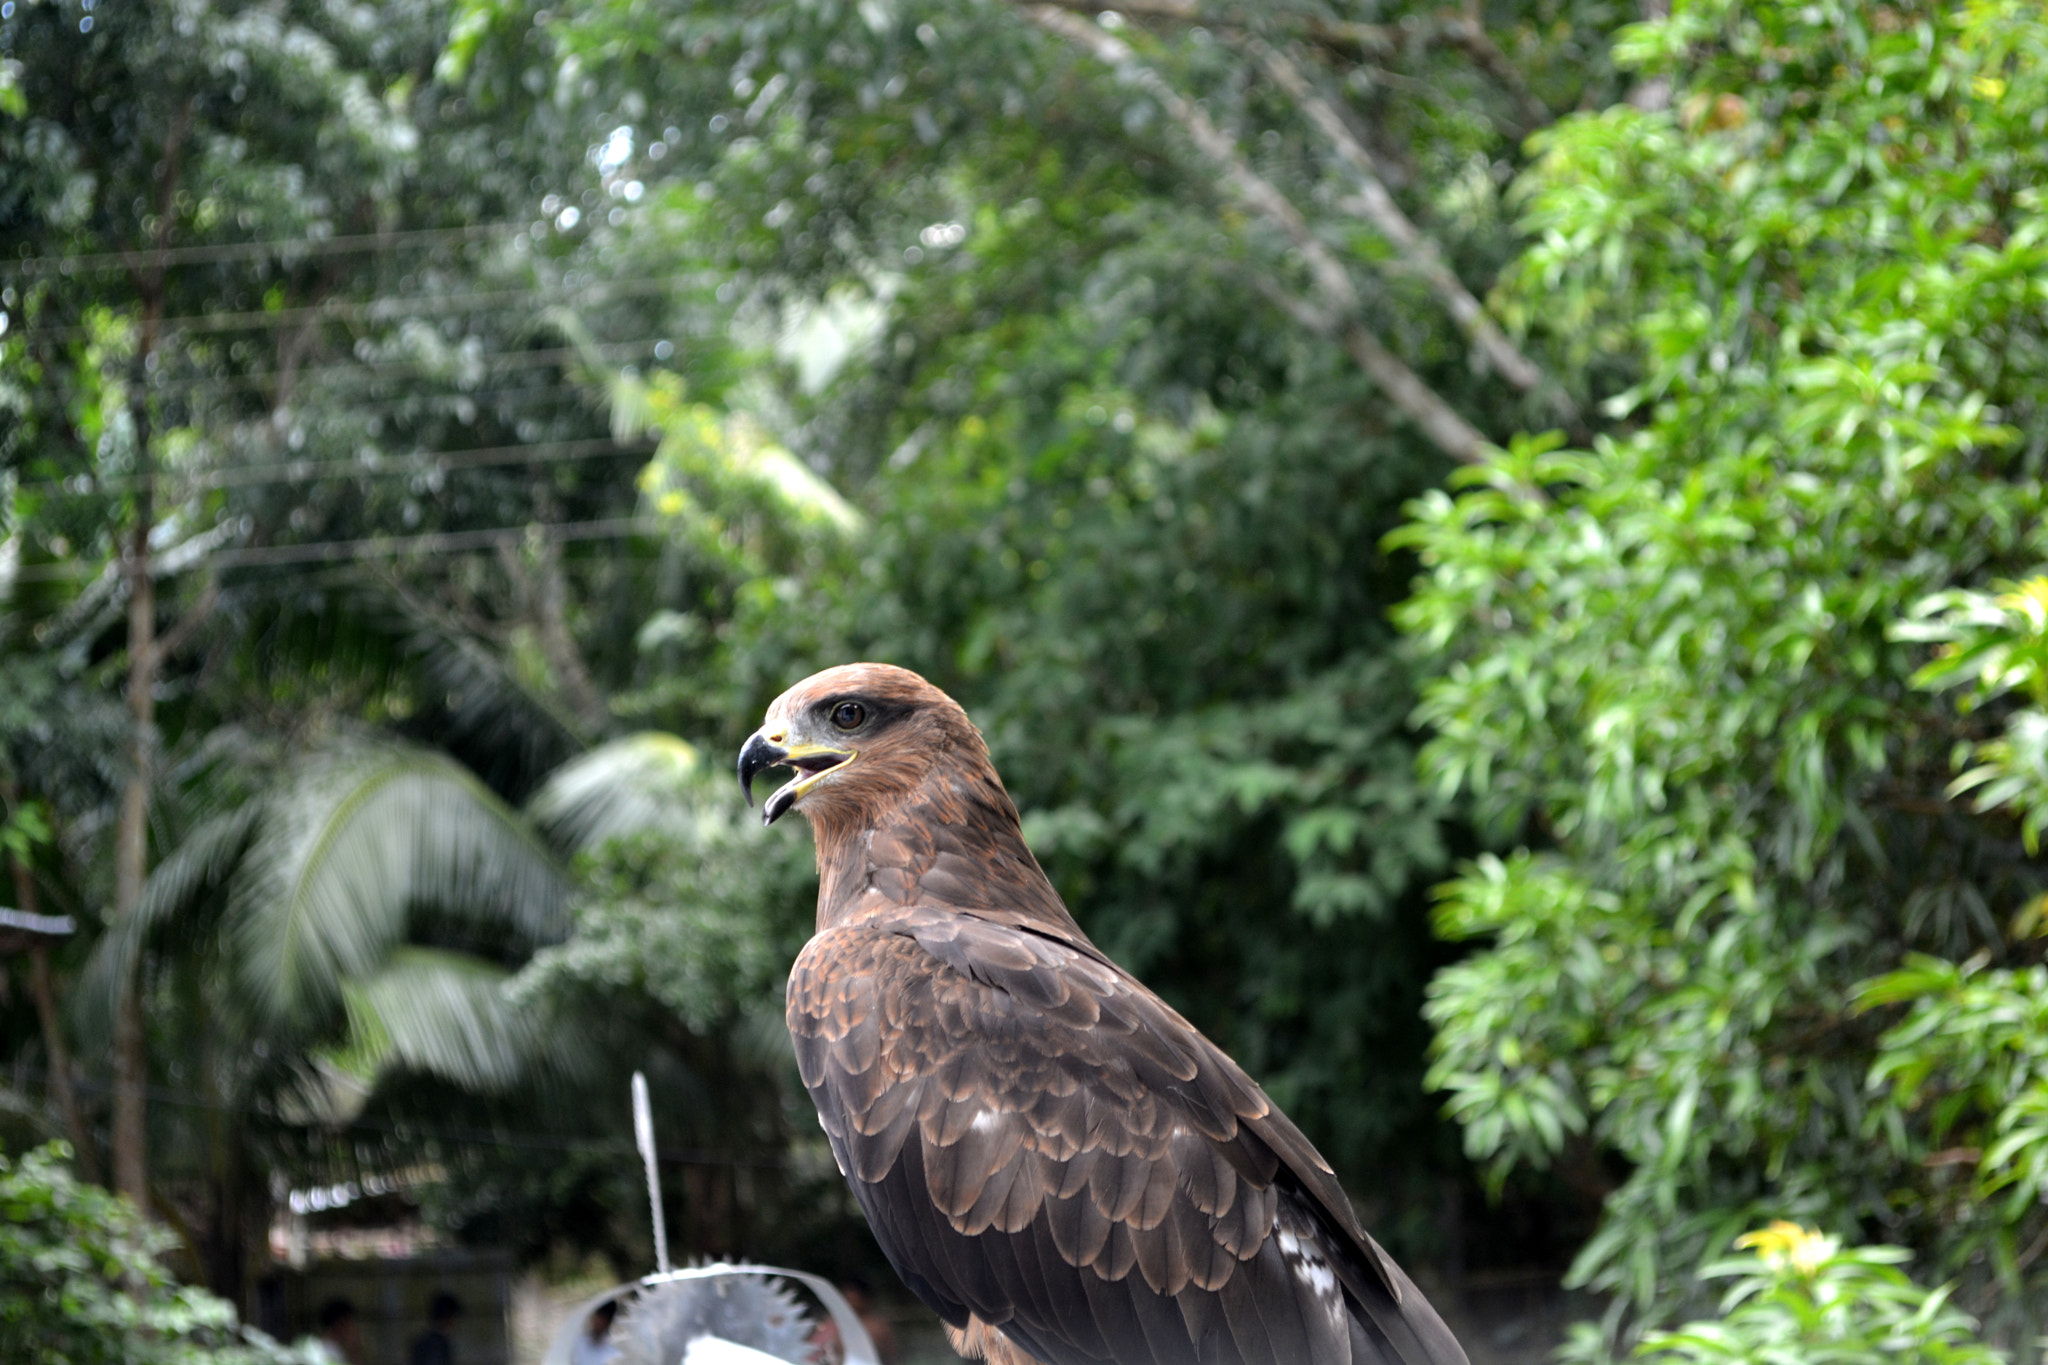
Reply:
x=811, y=761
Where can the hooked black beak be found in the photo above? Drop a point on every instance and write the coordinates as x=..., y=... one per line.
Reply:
x=811, y=761
x=756, y=754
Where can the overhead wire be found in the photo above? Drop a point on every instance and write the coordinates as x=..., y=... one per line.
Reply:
x=516, y=1137
x=291, y=471
x=386, y=369
x=368, y=547
x=29, y=266
x=416, y=399
x=380, y=309
x=432, y=543
x=372, y=310
x=499, y=397
x=435, y=542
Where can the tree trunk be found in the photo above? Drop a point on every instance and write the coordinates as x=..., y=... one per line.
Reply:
x=225, y=1252
x=131, y=835
x=61, y=1094
x=131, y=846
x=1653, y=94
x=550, y=597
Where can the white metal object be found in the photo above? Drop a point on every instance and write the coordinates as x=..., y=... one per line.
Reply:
x=719, y=1351
x=860, y=1347
x=643, y=1134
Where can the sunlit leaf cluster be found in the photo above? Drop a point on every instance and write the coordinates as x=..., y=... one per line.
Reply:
x=1801, y=1295
x=83, y=1281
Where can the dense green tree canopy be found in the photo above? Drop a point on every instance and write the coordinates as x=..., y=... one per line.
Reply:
x=1679, y=674
x=435, y=430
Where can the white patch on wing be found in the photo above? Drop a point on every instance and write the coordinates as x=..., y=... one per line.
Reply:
x=1301, y=1251
x=986, y=1121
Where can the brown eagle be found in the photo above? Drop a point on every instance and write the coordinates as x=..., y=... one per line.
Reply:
x=1062, y=1167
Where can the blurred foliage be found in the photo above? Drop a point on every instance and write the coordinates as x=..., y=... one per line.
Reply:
x=1994, y=644
x=82, y=1281
x=1111, y=493
x=1971, y=1056
x=1670, y=673
x=402, y=565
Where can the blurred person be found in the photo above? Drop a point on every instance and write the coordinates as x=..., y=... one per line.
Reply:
x=435, y=1346
x=594, y=1347
x=340, y=1340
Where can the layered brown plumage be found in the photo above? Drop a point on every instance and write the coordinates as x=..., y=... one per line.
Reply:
x=1055, y=1161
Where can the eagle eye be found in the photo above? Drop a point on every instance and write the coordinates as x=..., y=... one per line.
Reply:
x=849, y=715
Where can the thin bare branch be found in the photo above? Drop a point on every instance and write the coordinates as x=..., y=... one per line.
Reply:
x=1450, y=432
x=1419, y=255
x=1360, y=42
x=1439, y=420
x=1469, y=36
x=535, y=570
x=1436, y=418
x=42, y=989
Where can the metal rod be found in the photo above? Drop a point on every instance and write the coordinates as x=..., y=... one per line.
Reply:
x=643, y=1134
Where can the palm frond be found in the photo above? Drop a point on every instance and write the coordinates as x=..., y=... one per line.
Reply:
x=490, y=713
x=361, y=630
x=177, y=892
x=353, y=844
x=650, y=782
x=444, y=1014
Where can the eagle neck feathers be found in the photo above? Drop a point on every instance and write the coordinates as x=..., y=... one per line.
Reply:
x=951, y=841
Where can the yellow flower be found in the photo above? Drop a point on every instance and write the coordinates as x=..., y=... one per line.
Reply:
x=1785, y=1244
x=2029, y=599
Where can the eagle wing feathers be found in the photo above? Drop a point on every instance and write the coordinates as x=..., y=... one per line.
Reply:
x=1012, y=1109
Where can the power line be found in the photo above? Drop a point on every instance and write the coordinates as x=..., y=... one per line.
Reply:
x=372, y=547
x=439, y=542
x=31, y=266
x=355, y=406
x=417, y=396
x=382, y=369
x=379, y=310
x=435, y=395
x=312, y=471
x=516, y=1137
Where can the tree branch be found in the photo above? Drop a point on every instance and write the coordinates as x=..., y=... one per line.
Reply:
x=1437, y=419
x=1470, y=37
x=1359, y=42
x=1450, y=432
x=1419, y=254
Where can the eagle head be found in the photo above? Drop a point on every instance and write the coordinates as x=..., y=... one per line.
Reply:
x=859, y=736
